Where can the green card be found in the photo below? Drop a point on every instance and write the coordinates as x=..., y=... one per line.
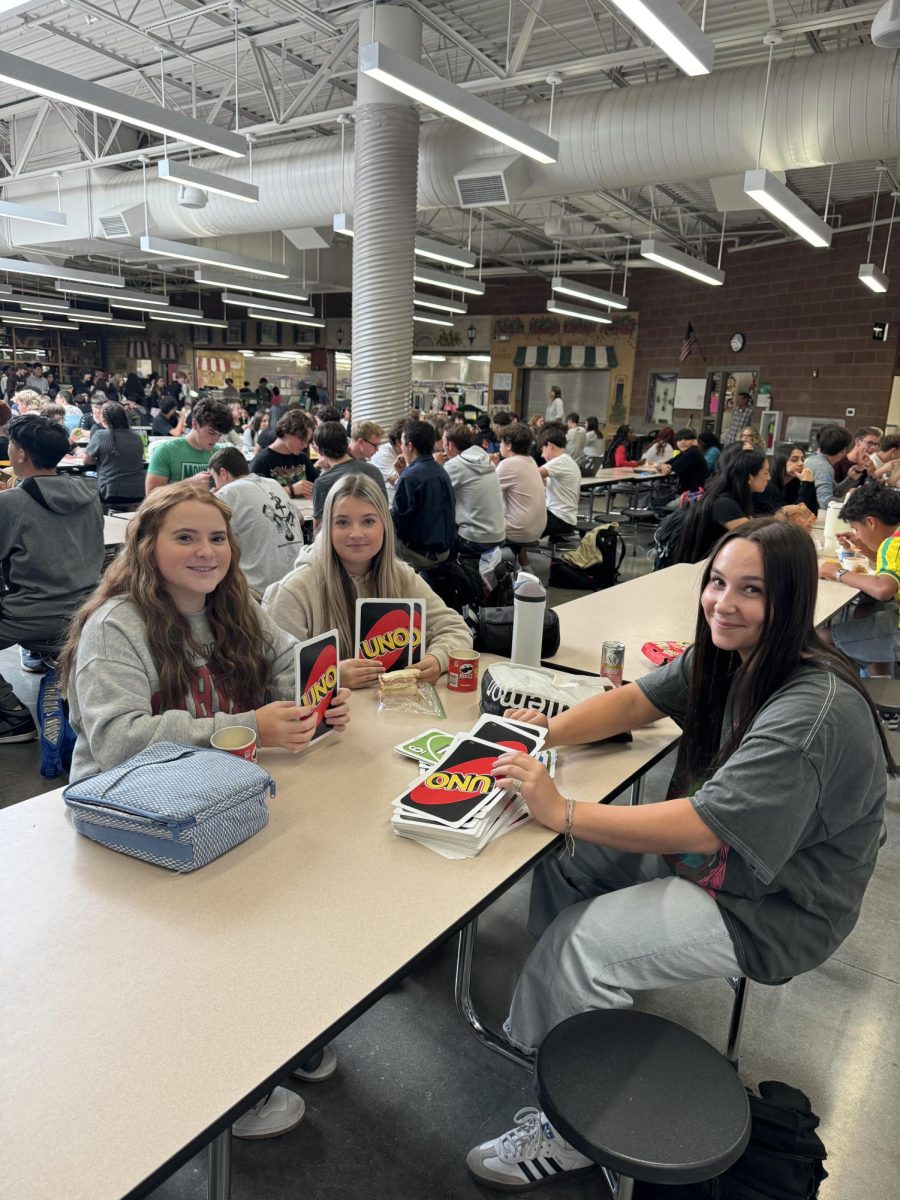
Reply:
x=427, y=747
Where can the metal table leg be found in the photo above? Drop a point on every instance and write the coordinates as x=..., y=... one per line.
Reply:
x=637, y=789
x=218, y=1157
x=465, y=957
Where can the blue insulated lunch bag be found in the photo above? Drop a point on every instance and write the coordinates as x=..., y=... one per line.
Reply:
x=173, y=805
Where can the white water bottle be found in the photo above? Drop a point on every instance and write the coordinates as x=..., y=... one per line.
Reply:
x=529, y=603
x=834, y=525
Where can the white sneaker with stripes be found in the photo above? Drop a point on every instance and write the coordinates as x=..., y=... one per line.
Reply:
x=529, y=1155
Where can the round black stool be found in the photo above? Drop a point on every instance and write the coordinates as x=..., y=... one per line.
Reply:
x=643, y=1097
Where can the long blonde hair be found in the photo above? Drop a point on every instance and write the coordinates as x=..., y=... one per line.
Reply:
x=335, y=585
x=238, y=657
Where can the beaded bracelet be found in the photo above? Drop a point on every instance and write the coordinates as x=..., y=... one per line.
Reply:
x=570, y=817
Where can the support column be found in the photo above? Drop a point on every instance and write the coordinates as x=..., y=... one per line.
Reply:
x=385, y=186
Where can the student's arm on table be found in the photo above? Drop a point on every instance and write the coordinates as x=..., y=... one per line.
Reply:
x=612, y=712
x=881, y=587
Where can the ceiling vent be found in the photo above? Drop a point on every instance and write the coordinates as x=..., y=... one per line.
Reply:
x=127, y=220
x=498, y=180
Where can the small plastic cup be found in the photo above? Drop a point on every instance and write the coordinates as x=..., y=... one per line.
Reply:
x=239, y=740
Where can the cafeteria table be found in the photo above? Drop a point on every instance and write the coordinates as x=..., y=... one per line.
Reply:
x=659, y=606
x=160, y=1007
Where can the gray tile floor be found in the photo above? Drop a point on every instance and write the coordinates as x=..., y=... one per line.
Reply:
x=414, y=1089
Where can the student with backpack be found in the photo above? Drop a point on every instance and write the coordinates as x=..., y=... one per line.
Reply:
x=756, y=867
x=170, y=647
x=726, y=504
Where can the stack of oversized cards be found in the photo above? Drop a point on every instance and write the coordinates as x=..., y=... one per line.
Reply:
x=455, y=806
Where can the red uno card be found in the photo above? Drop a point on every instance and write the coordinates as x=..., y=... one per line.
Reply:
x=388, y=631
x=317, y=668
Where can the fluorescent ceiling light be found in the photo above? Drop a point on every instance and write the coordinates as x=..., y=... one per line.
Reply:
x=426, y=301
x=246, y=353
x=441, y=252
x=563, y=308
x=270, y=305
x=676, y=260
x=479, y=357
x=215, y=258
x=445, y=279
x=177, y=320
x=59, y=325
x=19, y=266
x=432, y=320
x=120, y=295
x=212, y=279
x=207, y=181
x=583, y=291
x=40, y=303
x=89, y=314
x=27, y=75
x=429, y=358
x=107, y=324
x=20, y=319
x=342, y=224
x=668, y=26
x=778, y=199
x=873, y=277
x=397, y=71
x=187, y=314
x=28, y=212
x=267, y=316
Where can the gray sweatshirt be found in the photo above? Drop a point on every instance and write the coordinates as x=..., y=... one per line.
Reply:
x=50, y=557
x=114, y=691
x=480, y=516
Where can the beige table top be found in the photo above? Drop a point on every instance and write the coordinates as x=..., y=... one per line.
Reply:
x=617, y=475
x=155, y=1003
x=304, y=508
x=115, y=529
x=661, y=606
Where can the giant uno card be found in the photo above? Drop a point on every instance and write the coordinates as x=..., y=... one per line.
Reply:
x=389, y=631
x=458, y=787
x=317, y=669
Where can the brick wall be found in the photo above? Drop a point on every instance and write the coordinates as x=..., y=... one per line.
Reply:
x=803, y=311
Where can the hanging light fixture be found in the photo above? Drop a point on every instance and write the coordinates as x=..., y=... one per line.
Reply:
x=562, y=308
x=214, y=278
x=582, y=291
x=874, y=279
x=425, y=301
x=267, y=304
x=207, y=181
x=446, y=279
x=215, y=258
x=270, y=316
x=677, y=260
x=423, y=320
x=396, y=71
x=670, y=28
x=28, y=212
x=442, y=252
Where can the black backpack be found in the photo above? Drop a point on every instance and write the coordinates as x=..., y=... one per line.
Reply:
x=610, y=546
x=783, y=1160
x=666, y=537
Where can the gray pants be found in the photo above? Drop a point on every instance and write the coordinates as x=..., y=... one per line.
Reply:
x=23, y=633
x=608, y=922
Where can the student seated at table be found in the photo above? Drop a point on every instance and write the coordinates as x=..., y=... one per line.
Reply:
x=726, y=503
x=790, y=486
x=689, y=465
x=710, y=447
x=662, y=449
x=886, y=462
x=871, y=638
x=51, y=554
x=264, y=521
x=335, y=461
x=562, y=479
x=354, y=555
x=423, y=508
x=618, y=452
x=285, y=460
x=168, y=422
x=756, y=866
x=185, y=457
x=117, y=452
x=480, y=517
x=522, y=488
x=833, y=441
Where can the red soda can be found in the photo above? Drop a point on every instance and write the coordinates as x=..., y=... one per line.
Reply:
x=612, y=662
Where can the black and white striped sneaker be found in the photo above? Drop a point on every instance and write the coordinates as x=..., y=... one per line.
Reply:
x=527, y=1156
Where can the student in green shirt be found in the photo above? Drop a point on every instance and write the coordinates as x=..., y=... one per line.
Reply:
x=188, y=457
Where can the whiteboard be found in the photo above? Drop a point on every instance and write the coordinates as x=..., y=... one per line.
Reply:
x=690, y=393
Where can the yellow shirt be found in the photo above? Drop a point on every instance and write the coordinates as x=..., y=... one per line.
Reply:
x=887, y=561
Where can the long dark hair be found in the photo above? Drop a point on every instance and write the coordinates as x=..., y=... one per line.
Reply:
x=621, y=438
x=787, y=640
x=700, y=529
x=788, y=489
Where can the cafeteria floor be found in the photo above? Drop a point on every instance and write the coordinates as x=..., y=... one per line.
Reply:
x=414, y=1090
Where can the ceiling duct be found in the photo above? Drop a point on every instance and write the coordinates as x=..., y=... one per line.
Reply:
x=498, y=180
x=124, y=221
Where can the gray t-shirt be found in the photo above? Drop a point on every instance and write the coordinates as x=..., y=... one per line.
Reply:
x=329, y=478
x=799, y=806
x=120, y=463
x=267, y=525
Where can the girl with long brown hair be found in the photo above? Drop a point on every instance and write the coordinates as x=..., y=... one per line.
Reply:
x=757, y=864
x=172, y=647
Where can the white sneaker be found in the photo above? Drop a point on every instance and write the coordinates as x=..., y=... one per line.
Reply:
x=324, y=1070
x=528, y=1155
x=278, y=1113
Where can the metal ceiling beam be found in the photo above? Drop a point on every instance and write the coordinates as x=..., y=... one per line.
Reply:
x=524, y=39
x=457, y=38
x=37, y=125
x=313, y=86
x=265, y=79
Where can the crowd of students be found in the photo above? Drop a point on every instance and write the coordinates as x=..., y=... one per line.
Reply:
x=757, y=864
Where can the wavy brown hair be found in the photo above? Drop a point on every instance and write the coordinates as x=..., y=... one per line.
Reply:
x=238, y=658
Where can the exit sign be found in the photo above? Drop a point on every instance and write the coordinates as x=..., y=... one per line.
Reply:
x=879, y=331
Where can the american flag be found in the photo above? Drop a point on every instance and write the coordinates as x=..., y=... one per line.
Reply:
x=690, y=343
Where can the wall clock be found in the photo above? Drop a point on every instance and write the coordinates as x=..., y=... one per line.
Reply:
x=738, y=342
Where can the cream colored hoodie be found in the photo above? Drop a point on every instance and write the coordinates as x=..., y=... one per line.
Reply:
x=295, y=604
